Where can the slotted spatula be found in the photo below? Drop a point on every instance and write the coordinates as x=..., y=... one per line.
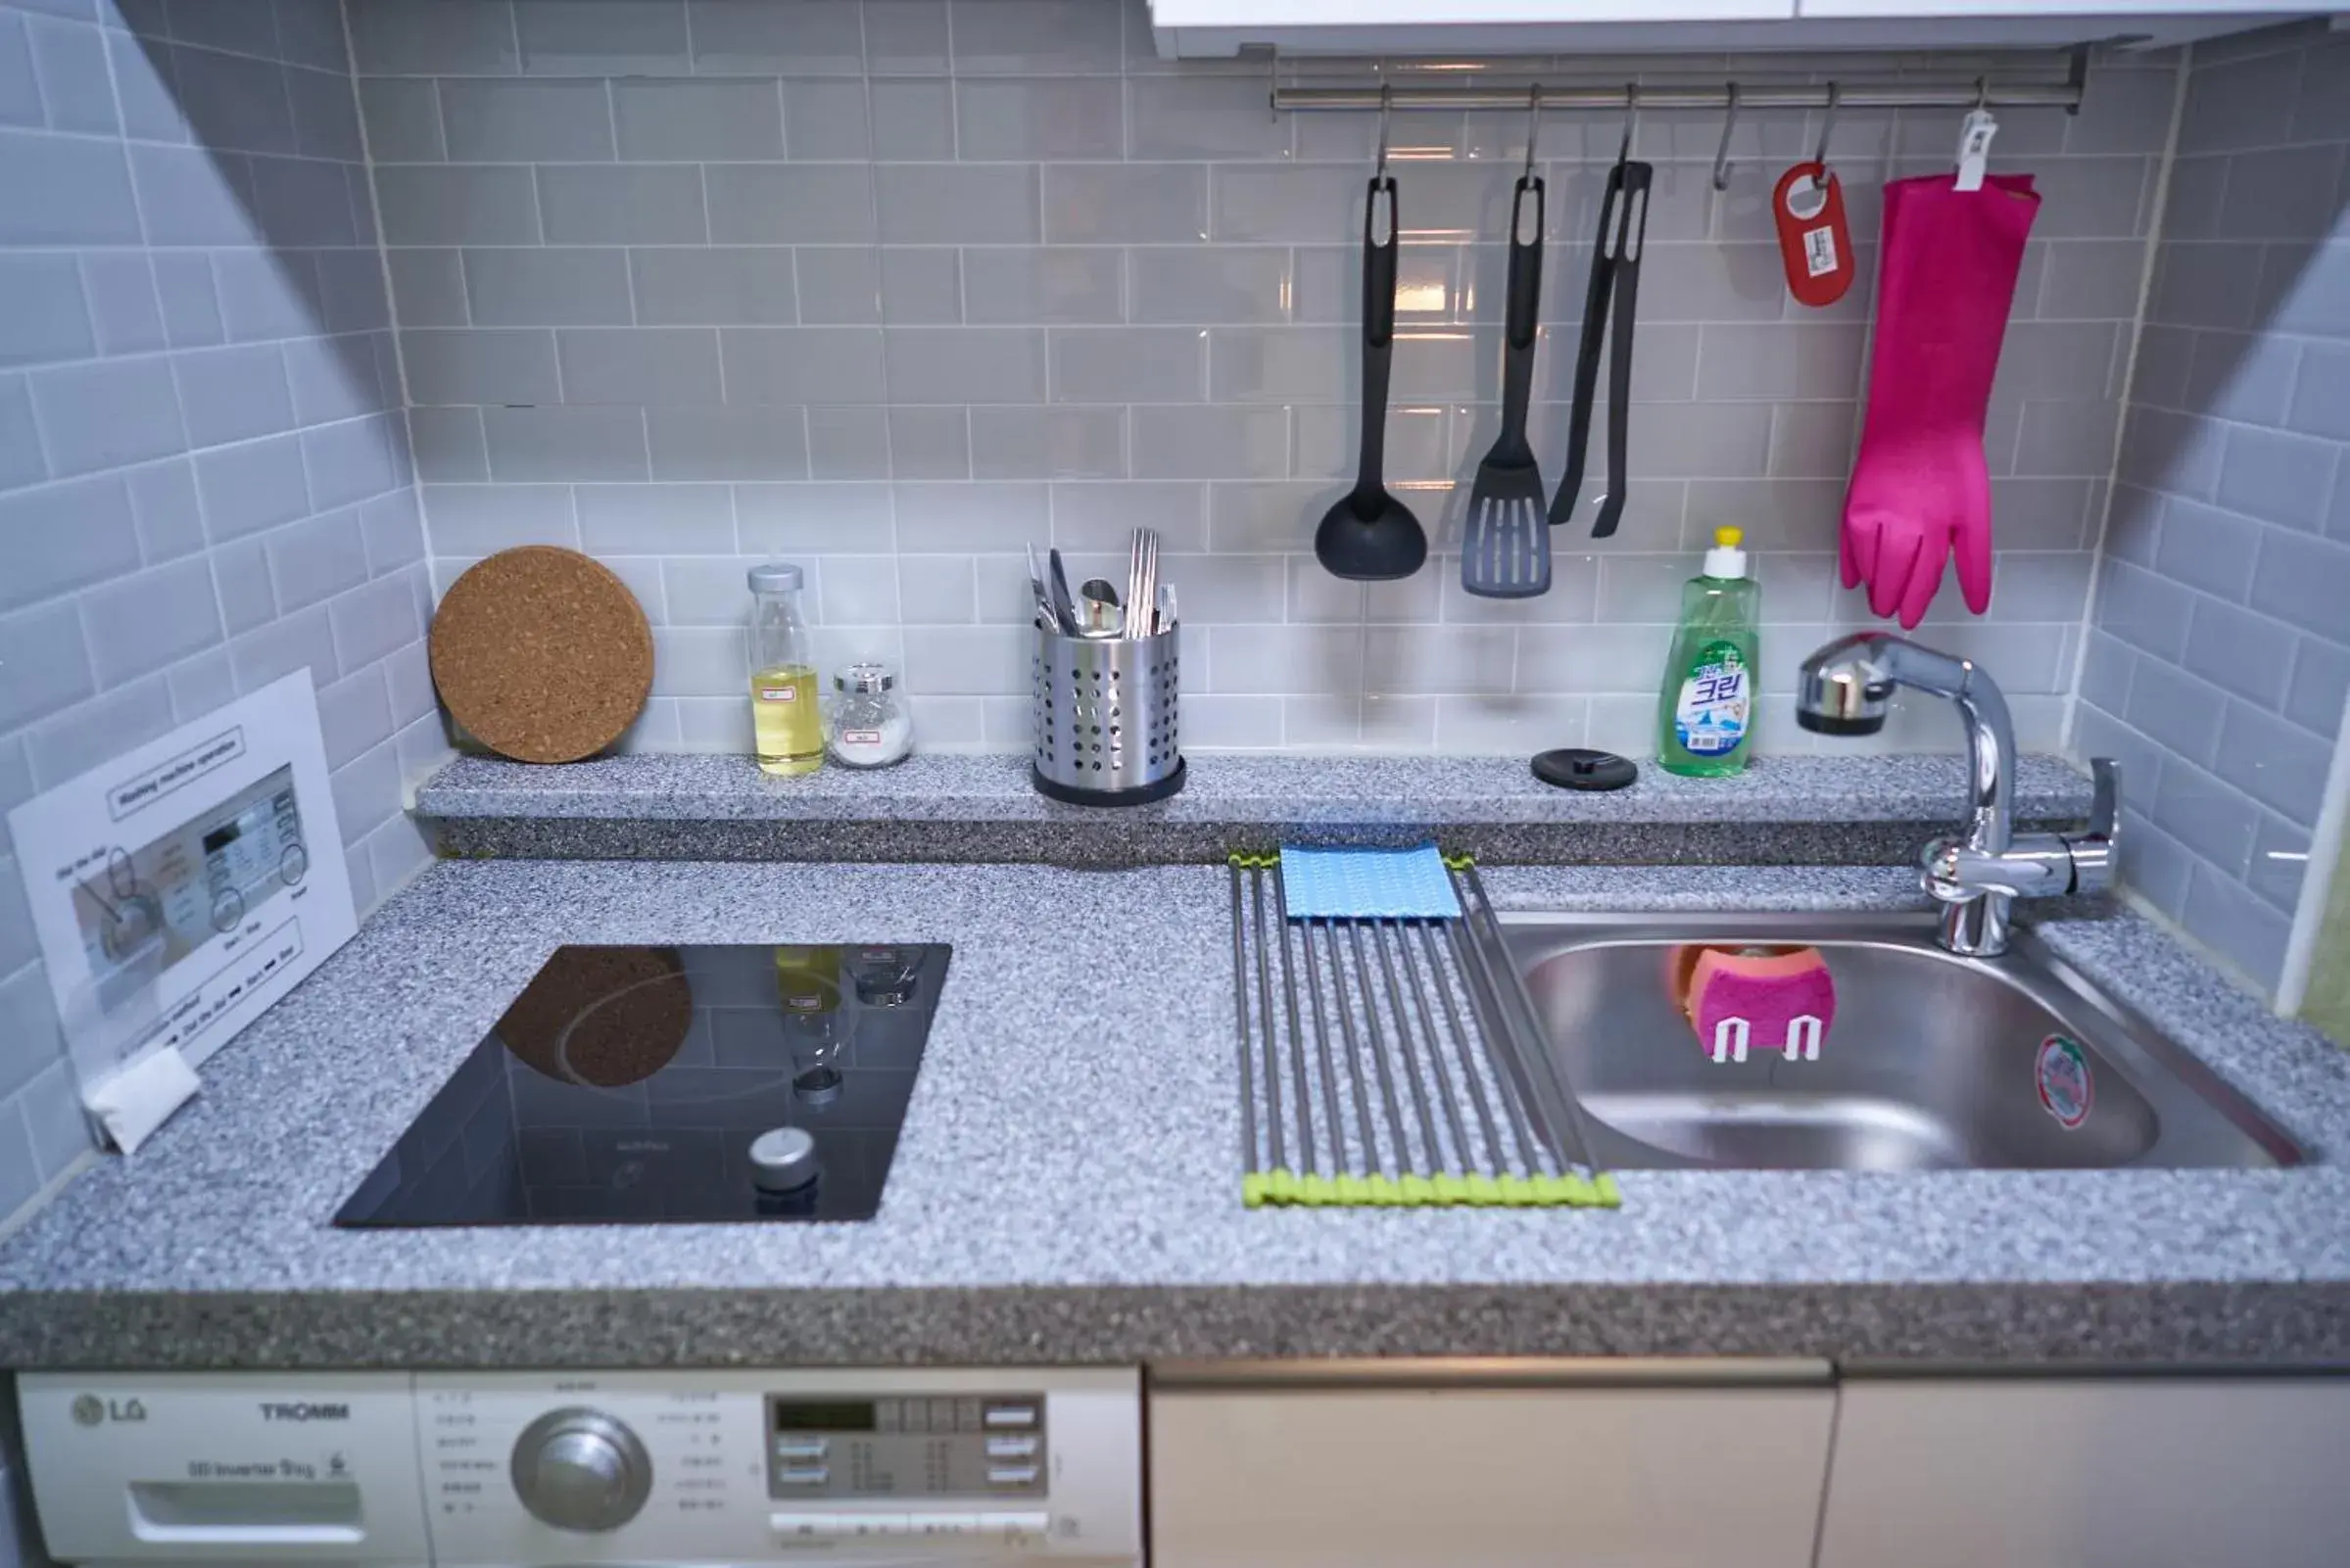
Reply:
x=1506, y=547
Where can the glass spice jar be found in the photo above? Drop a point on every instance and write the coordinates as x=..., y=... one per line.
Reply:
x=868, y=727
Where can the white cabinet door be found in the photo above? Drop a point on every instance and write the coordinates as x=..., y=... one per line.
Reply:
x=1487, y=1478
x=2090, y=1473
x=1437, y=15
x=2037, y=8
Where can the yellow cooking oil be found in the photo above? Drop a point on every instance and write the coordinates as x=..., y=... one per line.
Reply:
x=786, y=723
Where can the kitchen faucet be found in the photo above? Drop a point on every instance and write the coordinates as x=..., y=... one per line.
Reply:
x=1844, y=688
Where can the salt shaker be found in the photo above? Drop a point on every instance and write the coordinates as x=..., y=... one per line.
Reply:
x=869, y=724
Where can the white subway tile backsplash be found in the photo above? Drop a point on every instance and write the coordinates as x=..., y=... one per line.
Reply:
x=252, y=486
x=448, y=444
x=124, y=306
x=715, y=286
x=639, y=366
x=467, y=521
x=2316, y=696
x=424, y=204
x=47, y=660
x=967, y=518
x=911, y=121
x=50, y=317
x=935, y=442
x=1138, y=204
x=957, y=204
x=727, y=443
x=655, y=519
x=107, y=414
x=234, y=394
x=21, y=460
x=423, y=37
x=776, y=204
x=965, y=365
x=1046, y=443
x=994, y=38
x=552, y=286
x=670, y=121
x=537, y=445
x=849, y=442
x=1056, y=285
x=1039, y=117
x=235, y=103
x=1208, y=442
x=751, y=37
x=2277, y=477
x=19, y=85
x=627, y=204
x=936, y=590
x=487, y=122
x=480, y=367
x=612, y=37
x=402, y=119
x=826, y=121
x=907, y=285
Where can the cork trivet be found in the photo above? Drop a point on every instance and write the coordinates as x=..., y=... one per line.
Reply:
x=541, y=654
x=608, y=1017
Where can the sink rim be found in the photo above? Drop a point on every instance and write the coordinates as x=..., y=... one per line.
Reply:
x=2155, y=1065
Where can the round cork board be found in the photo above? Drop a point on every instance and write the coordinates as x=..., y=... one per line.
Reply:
x=605, y=1016
x=541, y=654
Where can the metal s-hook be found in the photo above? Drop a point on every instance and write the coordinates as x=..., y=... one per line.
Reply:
x=1819, y=154
x=1533, y=124
x=1623, y=149
x=1386, y=103
x=1721, y=154
x=1981, y=95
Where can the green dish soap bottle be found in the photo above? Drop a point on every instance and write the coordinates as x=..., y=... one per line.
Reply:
x=1705, y=713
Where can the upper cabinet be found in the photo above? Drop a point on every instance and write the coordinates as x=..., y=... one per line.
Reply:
x=1204, y=27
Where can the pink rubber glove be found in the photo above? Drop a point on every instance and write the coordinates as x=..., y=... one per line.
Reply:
x=1921, y=489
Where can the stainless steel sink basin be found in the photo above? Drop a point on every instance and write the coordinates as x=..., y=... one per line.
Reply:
x=1934, y=1061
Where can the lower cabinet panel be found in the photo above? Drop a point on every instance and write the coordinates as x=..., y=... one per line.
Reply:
x=2090, y=1473
x=1488, y=1478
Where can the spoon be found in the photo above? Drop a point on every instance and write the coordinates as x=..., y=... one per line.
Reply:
x=1368, y=535
x=1103, y=616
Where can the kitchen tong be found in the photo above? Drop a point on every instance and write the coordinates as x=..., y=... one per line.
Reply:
x=1614, y=280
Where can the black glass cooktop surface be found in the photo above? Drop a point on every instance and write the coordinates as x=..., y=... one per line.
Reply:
x=678, y=1086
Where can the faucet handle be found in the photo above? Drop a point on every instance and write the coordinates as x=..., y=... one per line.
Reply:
x=2096, y=848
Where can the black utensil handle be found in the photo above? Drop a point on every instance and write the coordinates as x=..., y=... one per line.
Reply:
x=1523, y=308
x=1586, y=350
x=1637, y=177
x=1378, y=331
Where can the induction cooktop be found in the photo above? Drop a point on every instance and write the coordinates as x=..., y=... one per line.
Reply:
x=673, y=1086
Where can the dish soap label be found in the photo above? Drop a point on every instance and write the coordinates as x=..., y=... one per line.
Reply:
x=1710, y=718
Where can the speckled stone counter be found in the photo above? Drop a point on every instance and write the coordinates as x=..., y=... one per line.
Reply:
x=1065, y=1186
x=1854, y=810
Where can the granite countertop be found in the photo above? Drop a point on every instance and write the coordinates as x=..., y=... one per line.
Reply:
x=1066, y=1188
x=1845, y=809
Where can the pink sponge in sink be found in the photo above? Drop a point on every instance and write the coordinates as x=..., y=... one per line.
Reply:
x=1774, y=998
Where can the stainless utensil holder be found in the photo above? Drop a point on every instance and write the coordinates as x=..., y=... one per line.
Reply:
x=1106, y=716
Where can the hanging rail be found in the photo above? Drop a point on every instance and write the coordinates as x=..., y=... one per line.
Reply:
x=1975, y=93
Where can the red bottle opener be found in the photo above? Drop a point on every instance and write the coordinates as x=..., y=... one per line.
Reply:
x=1816, y=246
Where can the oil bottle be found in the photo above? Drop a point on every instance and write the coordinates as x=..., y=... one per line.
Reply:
x=786, y=724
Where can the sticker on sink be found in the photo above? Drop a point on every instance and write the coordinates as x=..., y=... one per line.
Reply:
x=2066, y=1089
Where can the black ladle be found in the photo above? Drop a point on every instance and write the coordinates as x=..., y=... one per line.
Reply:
x=1368, y=535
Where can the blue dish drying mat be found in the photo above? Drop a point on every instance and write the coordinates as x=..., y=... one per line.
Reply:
x=1366, y=884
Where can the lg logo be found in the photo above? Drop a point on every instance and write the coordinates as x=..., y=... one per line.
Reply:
x=91, y=1410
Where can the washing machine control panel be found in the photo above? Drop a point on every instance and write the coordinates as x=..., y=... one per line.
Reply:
x=522, y=1469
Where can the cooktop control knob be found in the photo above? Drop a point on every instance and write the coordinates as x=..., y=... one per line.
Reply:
x=579, y=1470
x=783, y=1160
